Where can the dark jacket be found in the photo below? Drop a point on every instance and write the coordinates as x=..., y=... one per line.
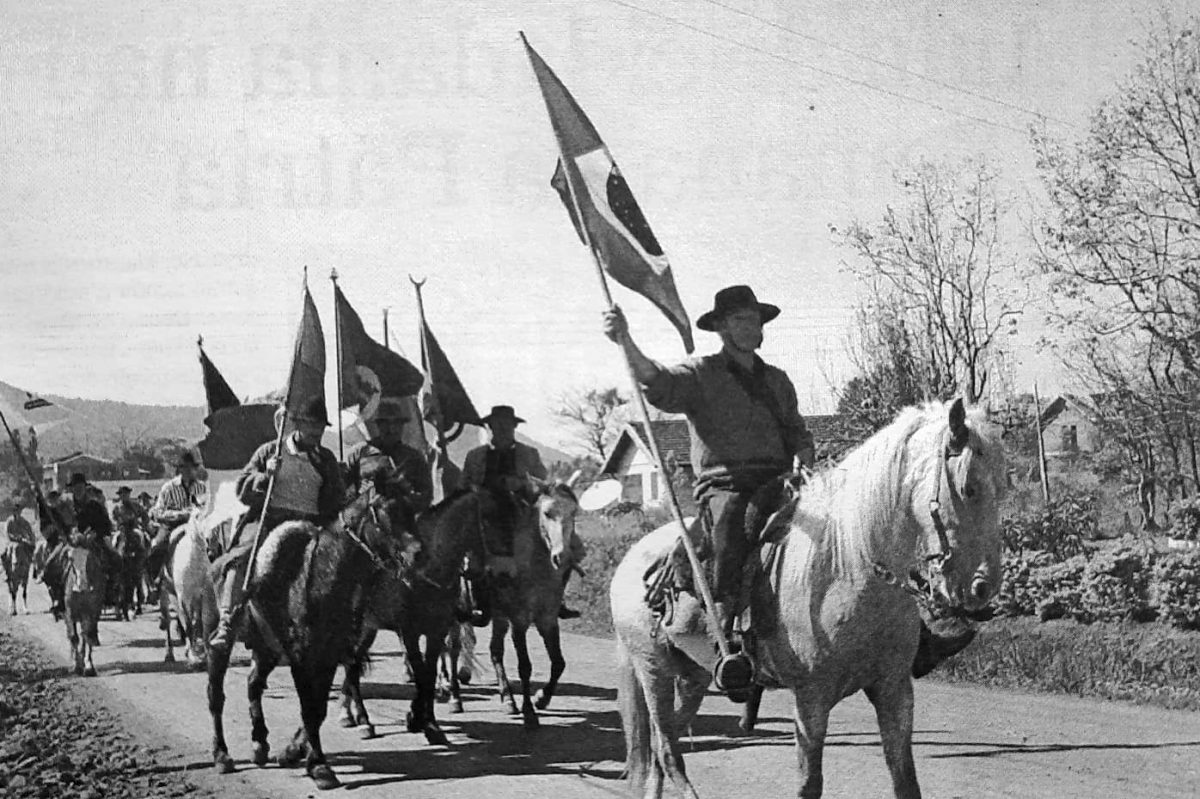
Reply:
x=252, y=483
x=92, y=515
x=370, y=457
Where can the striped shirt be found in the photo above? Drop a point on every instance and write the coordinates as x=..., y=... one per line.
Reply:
x=175, y=499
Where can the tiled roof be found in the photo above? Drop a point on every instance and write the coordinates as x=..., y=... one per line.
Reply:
x=672, y=436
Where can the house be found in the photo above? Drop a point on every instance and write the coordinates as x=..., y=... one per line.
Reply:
x=1069, y=427
x=629, y=457
x=57, y=474
x=630, y=462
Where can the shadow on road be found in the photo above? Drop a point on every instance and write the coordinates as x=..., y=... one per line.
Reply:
x=998, y=749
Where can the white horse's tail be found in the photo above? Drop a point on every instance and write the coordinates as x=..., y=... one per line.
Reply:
x=635, y=718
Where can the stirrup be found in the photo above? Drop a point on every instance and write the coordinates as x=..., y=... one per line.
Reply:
x=734, y=675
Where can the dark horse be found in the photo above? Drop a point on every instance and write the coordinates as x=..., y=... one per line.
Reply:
x=130, y=546
x=306, y=603
x=82, y=600
x=421, y=601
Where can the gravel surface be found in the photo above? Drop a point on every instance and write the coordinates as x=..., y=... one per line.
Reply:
x=65, y=736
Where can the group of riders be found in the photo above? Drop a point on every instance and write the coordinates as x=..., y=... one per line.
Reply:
x=746, y=433
x=306, y=483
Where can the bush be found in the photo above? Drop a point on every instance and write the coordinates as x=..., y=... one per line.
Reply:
x=1176, y=589
x=1116, y=586
x=1058, y=529
x=1185, y=521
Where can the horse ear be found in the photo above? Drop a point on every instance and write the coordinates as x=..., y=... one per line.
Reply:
x=574, y=478
x=960, y=436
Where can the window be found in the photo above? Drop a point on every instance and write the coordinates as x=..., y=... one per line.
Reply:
x=1070, y=439
x=655, y=477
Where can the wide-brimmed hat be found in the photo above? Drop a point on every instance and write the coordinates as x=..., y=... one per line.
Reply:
x=391, y=408
x=502, y=413
x=311, y=411
x=145, y=495
x=186, y=459
x=124, y=490
x=77, y=478
x=735, y=298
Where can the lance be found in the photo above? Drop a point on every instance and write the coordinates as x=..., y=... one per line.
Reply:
x=43, y=506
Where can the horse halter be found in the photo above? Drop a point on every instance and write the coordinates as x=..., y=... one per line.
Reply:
x=356, y=535
x=951, y=448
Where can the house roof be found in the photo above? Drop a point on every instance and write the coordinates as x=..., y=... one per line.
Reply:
x=75, y=456
x=672, y=436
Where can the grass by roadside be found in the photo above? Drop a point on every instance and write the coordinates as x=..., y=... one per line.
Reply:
x=1141, y=663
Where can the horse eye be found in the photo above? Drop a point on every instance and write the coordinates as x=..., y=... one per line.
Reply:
x=969, y=491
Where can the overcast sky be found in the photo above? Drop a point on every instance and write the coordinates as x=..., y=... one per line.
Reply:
x=167, y=172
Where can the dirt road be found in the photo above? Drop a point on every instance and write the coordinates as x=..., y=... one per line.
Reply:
x=969, y=742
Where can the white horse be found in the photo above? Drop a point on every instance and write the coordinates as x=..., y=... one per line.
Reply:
x=838, y=619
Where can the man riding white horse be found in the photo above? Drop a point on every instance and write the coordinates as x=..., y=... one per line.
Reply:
x=308, y=487
x=178, y=499
x=504, y=466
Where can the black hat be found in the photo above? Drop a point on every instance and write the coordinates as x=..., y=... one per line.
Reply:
x=186, y=459
x=77, y=479
x=145, y=495
x=124, y=490
x=505, y=412
x=735, y=298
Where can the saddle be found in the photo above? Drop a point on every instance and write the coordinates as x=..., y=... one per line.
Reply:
x=767, y=518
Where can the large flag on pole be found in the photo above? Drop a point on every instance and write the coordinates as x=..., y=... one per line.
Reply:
x=217, y=392
x=615, y=225
x=306, y=382
x=445, y=401
x=369, y=369
x=24, y=409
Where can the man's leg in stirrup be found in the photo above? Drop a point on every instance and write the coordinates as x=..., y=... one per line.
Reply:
x=734, y=674
x=230, y=599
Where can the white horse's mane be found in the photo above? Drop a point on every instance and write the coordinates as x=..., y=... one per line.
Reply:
x=854, y=510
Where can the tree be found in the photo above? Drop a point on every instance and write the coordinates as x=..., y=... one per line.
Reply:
x=590, y=413
x=939, y=287
x=1123, y=234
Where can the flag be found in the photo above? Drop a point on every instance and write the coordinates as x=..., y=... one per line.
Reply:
x=22, y=408
x=217, y=392
x=369, y=369
x=445, y=401
x=306, y=382
x=611, y=218
x=234, y=433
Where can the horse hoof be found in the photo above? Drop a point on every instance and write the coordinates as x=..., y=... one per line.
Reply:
x=78, y=670
x=464, y=676
x=261, y=754
x=543, y=701
x=169, y=657
x=411, y=723
x=435, y=736
x=367, y=732
x=442, y=695
x=223, y=763
x=323, y=777
x=346, y=720
x=513, y=710
x=292, y=756
x=456, y=706
x=531, y=721
x=90, y=671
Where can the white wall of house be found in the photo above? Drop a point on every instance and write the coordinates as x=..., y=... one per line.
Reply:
x=652, y=488
x=1071, y=431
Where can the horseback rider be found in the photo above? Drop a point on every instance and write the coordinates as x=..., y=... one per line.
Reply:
x=127, y=514
x=406, y=469
x=745, y=426
x=308, y=487
x=178, y=498
x=19, y=530
x=504, y=466
x=82, y=511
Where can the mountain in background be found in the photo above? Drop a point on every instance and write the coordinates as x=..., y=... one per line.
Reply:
x=105, y=428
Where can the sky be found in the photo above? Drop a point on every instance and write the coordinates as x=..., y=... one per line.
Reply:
x=169, y=173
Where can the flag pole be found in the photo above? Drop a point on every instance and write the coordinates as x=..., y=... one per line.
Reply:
x=643, y=411
x=33, y=483
x=279, y=435
x=337, y=345
x=428, y=358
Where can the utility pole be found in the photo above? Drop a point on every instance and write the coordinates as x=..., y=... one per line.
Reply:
x=1037, y=421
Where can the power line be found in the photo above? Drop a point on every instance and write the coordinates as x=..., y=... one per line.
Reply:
x=819, y=70
x=890, y=65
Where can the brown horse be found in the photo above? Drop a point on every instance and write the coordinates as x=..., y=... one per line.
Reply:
x=130, y=546
x=530, y=594
x=17, y=560
x=83, y=599
x=306, y=604
x=420, y=601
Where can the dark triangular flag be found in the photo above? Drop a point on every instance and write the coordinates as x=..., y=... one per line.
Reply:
x=217, y=392
x=369, y=369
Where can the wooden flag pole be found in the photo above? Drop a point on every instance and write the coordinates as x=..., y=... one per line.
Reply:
x=33, y=483
x=442, y=444
x=643, y=411
x=260, y=534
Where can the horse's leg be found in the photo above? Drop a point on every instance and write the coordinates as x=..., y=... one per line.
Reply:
x=635, y=719
x=91, y=628
x=164, y=611
x=691, y=686
x=73, y=639
x=218, y=664
x=525, y=672
x=553, y=641
x=456, y=705
x=496, y=648
x=893, y=701
x=412, y=656
x=812, y=721
x=433, y=653
x=262, y=661
x=750, y=710
x=312, y=687
x=354, y=710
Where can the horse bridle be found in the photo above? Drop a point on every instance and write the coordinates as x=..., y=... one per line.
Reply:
x=356, y=536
